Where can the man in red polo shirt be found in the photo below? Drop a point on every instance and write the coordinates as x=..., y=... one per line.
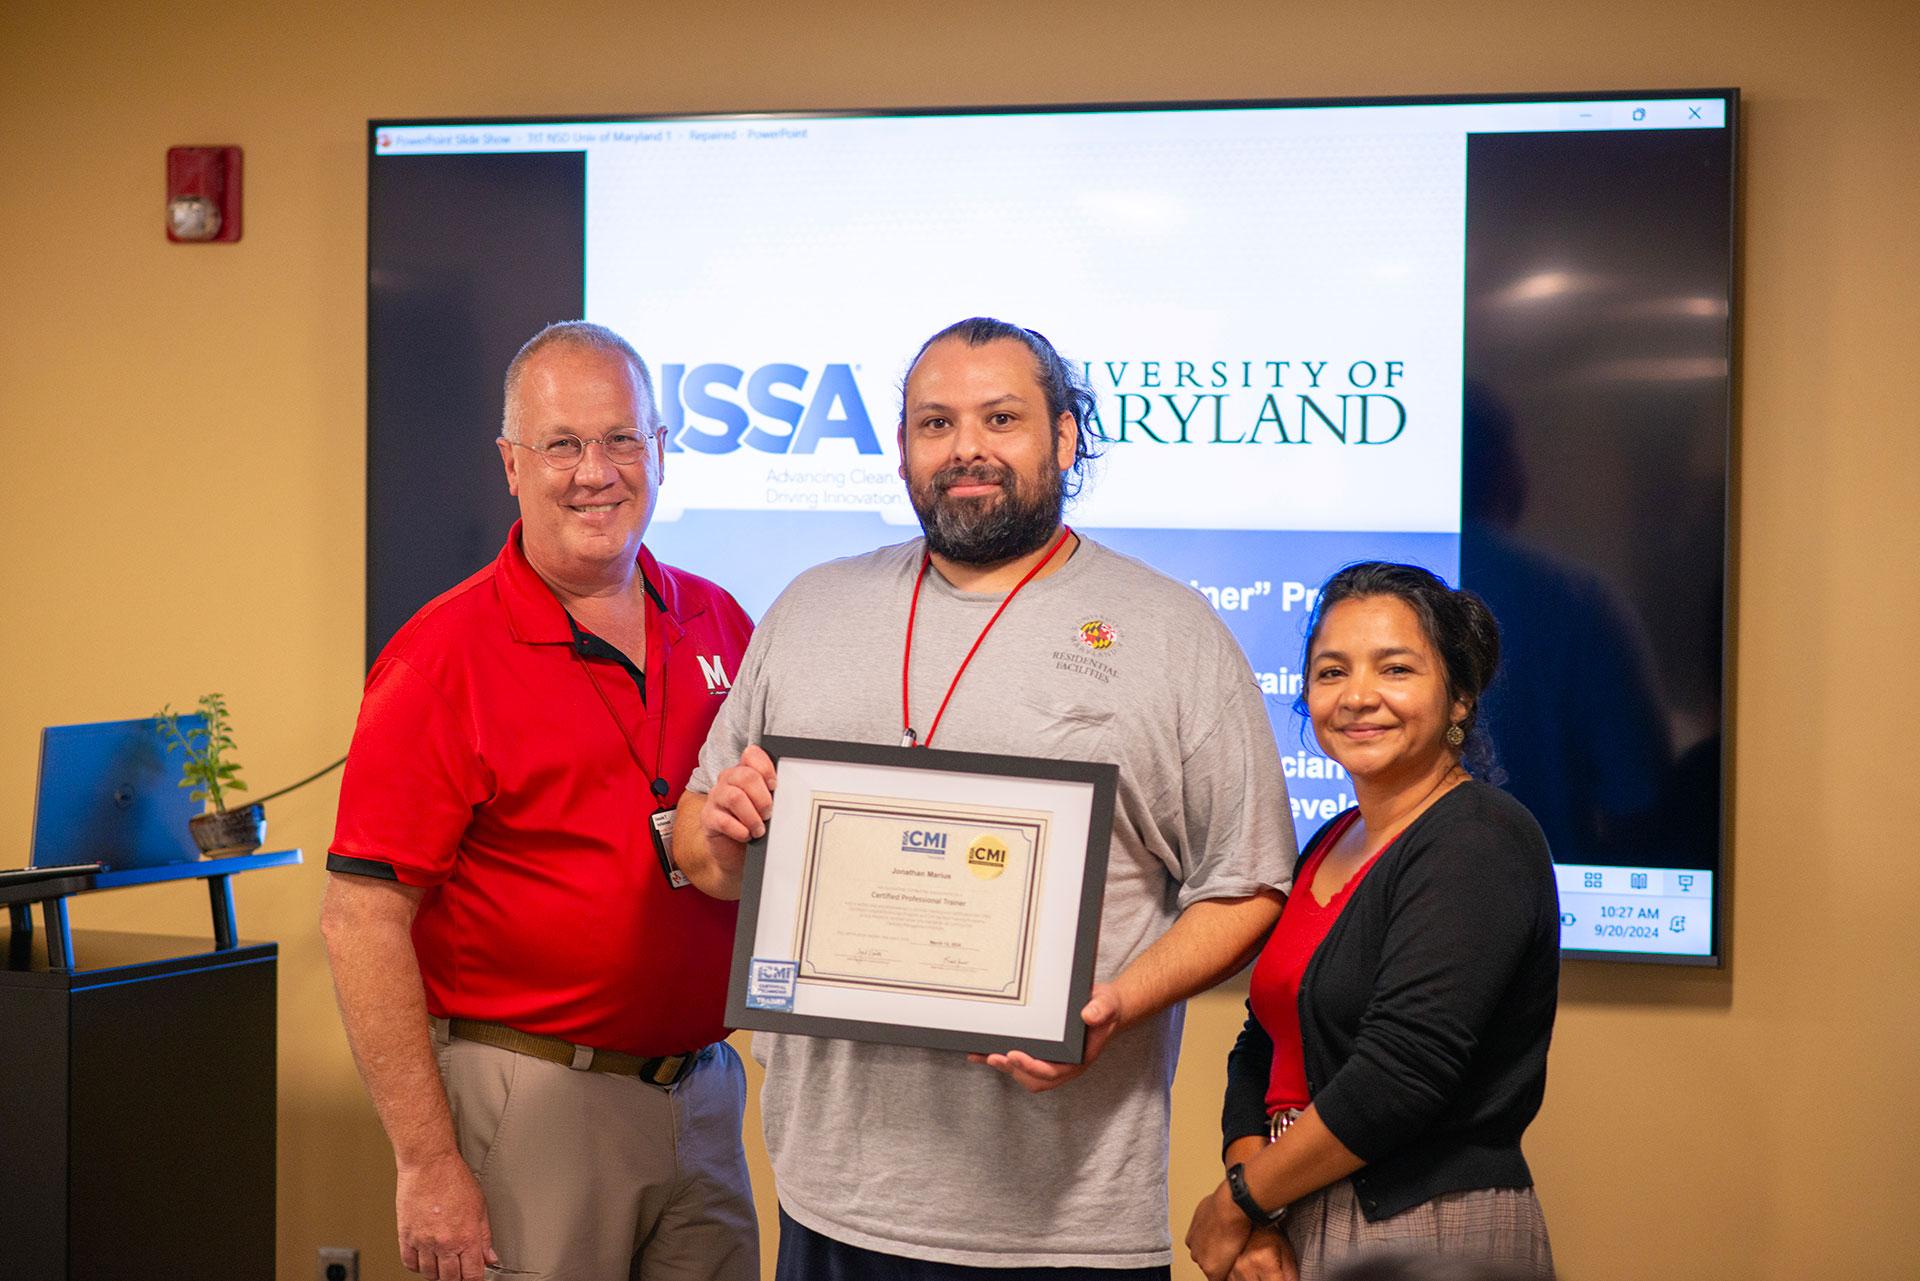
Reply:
x=532, y=991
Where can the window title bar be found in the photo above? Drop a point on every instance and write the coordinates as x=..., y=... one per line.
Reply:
x=1460, y=118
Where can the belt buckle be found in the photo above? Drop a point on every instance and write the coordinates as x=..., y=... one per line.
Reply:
x=666, y=1072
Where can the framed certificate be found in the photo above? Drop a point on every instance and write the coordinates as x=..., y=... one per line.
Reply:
x=922, y=897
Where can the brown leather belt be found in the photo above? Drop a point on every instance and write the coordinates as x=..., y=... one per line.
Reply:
x=666, y=1071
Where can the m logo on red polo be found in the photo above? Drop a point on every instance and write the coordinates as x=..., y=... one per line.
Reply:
x=716, y=675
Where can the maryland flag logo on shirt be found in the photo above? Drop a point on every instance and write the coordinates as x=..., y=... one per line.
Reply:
x=1096, y=634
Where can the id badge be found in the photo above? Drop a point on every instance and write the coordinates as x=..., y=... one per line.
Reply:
x=663, y=847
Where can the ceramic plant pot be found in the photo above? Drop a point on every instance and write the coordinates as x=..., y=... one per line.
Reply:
x=235, y=831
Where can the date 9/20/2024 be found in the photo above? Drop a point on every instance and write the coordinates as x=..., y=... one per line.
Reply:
x=1633, y=921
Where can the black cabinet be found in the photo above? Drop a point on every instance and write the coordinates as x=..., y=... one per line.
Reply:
x=137, y=1110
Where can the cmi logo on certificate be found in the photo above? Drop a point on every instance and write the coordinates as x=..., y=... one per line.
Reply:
x=770, y=984
x=986, y=857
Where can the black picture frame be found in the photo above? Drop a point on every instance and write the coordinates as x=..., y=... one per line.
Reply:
x=1101, y=781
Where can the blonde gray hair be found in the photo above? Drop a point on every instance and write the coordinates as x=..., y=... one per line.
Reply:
x=592, y=337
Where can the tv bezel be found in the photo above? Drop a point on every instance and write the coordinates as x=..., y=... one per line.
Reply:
x=1718, y=955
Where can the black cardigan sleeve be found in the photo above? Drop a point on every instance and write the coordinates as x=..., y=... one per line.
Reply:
x=1249, y=1065
x=1463, y=907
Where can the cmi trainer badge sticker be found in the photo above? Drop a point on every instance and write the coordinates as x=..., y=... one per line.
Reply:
x=770, y=984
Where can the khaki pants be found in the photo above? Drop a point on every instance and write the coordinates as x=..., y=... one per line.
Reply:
x=590, y=1176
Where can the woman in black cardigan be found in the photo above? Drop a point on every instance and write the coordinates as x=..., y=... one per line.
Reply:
x=1397, y=1041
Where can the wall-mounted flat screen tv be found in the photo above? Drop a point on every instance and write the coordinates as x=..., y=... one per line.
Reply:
x=1489, y=335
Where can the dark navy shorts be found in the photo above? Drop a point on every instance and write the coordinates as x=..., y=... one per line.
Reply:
x=805, y=1255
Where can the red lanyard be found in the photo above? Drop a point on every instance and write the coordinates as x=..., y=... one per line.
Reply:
x=907, y=737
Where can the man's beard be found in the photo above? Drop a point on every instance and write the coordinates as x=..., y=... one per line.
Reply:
x=979, y=531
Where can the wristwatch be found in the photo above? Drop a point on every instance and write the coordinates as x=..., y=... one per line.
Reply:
x=1242, y=1197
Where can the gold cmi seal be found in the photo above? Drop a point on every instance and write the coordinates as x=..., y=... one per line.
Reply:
x=986, y=857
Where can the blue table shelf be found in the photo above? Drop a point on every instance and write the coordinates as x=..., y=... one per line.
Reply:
x=52, y=895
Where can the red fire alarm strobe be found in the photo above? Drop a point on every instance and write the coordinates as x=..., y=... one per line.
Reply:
x=203, y=194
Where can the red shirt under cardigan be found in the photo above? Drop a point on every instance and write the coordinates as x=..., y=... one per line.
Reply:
x=1275, y=986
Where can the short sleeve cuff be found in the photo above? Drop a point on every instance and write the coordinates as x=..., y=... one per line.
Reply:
x=1237, y=887
x=383, y=870
x=372, y=867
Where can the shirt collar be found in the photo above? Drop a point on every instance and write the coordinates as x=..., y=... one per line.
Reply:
x=535, y=615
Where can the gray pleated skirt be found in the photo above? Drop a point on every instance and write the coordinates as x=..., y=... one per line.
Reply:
x=1502, y=1226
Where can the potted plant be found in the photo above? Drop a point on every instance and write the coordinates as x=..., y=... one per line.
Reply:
x=211, y=774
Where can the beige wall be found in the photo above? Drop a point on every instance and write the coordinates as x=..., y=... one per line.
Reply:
x=184, y=496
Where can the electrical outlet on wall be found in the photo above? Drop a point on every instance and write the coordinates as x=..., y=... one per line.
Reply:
x=338, y=1263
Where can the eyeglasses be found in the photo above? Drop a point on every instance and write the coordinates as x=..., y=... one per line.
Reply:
x=563, y=453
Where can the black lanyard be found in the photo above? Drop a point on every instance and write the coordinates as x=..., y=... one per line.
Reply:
x=583, y=643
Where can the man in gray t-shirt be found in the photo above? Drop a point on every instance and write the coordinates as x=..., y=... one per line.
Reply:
x=886, y=1153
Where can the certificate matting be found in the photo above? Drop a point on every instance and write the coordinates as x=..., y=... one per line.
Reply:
x=924, y=897
x=928, y=898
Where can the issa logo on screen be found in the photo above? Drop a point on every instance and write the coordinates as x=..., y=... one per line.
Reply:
x=704, y=411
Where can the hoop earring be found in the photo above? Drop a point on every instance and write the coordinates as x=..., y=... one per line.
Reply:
x=1455, y=735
